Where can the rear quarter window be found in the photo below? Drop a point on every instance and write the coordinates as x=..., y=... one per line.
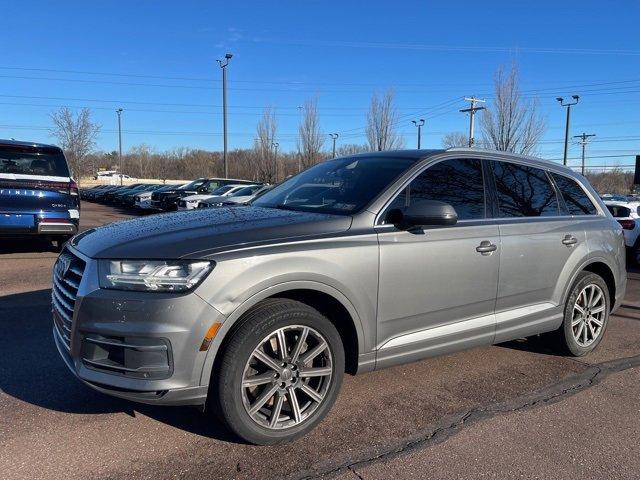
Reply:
x=575, y=199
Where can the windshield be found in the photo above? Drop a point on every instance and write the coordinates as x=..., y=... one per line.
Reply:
x=193, y=185
x=222, y=190
x=342, y=186
x=33, y=161
x=247, y=191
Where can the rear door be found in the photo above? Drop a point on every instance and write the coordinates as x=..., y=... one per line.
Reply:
x=540, y=243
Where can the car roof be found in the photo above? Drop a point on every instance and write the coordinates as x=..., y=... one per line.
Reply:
x=19, y=143
x=471, y=152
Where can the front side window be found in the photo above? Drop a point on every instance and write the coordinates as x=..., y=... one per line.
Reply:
x=456, y=182
x=524, y=191
x=576, y=201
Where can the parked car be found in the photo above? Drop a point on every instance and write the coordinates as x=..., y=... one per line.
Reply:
x=37, y=194
x=85, y=192
x=119, y=198
x=356, y=264
x=240, y=197
x=143, y=200
x=168, y=199
x=110, y=196
x=97, y=194
x=129, y=199
x=628, y=215
x=191, y=202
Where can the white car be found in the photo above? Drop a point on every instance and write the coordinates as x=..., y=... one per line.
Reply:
x=143, y=201
x=191, y=202
x=628, y=215
x=240, y=197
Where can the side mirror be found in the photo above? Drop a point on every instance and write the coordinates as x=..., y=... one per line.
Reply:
x=424, y=213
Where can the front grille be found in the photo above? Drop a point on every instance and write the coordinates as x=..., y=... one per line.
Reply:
x=67, y=273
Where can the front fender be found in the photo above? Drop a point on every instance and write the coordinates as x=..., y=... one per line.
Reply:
x=271, y=291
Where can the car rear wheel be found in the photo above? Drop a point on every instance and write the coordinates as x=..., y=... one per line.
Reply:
x=280, y=372
x=586, y=315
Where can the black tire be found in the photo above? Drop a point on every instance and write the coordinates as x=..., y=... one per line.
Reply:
x=564, y=337
x=228, y=393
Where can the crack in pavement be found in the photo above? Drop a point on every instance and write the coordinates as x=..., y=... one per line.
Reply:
x=452, y=424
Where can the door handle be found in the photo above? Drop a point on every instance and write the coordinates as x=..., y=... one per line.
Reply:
x=569, y=240
x=486, y=247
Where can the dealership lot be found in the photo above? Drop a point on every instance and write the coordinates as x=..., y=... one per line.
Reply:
x=508, y=410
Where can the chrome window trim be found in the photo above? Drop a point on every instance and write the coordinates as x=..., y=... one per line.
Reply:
x=425, y=163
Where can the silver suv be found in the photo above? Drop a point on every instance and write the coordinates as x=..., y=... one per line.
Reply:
x=355, y=264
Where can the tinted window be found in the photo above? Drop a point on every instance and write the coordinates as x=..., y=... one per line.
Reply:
x=456, y=182
x=523, y=191
x=340, y=186
x=619, y=211
x=575, y=199
x=32, y=161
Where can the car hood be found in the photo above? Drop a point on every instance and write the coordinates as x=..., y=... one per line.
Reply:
x=198, y=233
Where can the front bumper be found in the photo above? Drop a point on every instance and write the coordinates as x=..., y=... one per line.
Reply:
x=140, y=346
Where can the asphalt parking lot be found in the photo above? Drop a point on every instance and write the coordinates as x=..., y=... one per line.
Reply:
x=512, y=410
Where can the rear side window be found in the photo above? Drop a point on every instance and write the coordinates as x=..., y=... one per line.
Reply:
x=456, y=182
x=575, y=200
x=618, y=211
x=524, y=191
x=32, y=161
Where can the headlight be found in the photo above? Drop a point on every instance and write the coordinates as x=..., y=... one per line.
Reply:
x=153, y=275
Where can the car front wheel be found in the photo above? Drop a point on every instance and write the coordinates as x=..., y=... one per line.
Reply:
x=280, y=372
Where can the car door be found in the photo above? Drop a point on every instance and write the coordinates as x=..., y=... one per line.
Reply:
x=437, y=286
x=540, y=243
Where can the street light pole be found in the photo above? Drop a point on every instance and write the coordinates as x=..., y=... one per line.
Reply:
x=419, y=124
x=223, y=65
x=119, y=112
x=300, y=140
x=576, y=99
x=334, y=137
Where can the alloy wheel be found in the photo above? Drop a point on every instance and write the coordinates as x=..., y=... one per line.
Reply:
x=287, y=377
x=588, y=315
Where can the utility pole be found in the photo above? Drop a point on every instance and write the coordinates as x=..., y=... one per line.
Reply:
x=576, y=99
x=334, y=137
x=584, y=139
x=300, y=141
x=223, y=65
x=119, y=112
x=419, y=124
x=472, y=111
x=275, y=146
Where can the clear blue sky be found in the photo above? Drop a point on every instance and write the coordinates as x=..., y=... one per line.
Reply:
x=156, y=59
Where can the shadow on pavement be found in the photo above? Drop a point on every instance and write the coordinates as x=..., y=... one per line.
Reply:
x=25, y=245
x=32, y=371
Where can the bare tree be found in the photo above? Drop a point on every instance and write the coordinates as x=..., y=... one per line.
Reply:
x=76, y=135
x=455, y=139
x=382, y=121
x=311, y=139
x=512, y=124
x=267, y=167
x=351, y=149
